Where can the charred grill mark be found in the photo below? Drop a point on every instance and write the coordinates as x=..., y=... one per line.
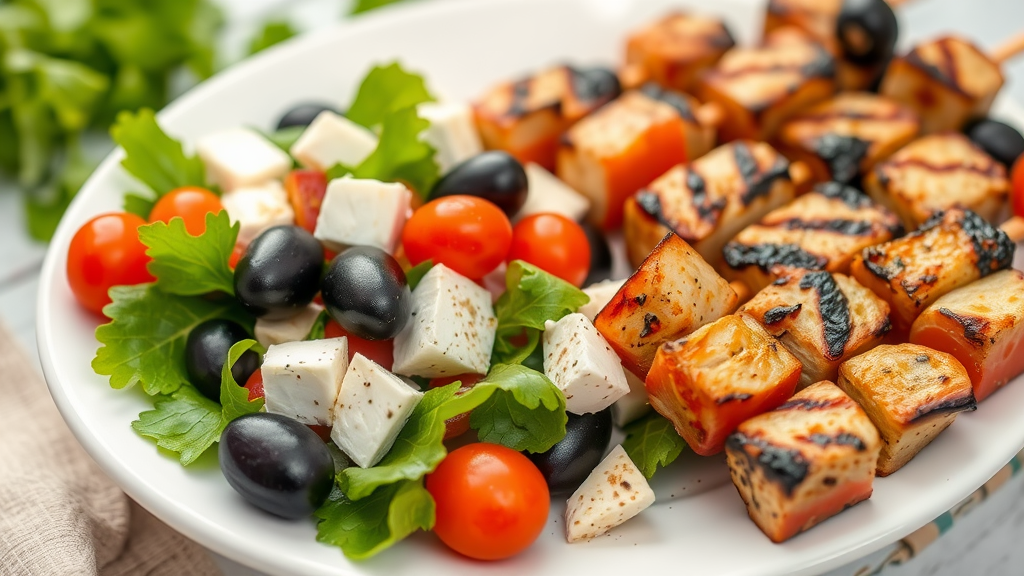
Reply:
x=780, y=313
x=943, y=74
x=808, y=404
x=992, y=246
x=835, y=311
x=951, y=406
x=707, y=210
x=987, y=170
x=842, y=154
x=822, y=66
x=640, y=299
x=844, y=227
x=911, y=287
x=520, y=93
x=841, y=439
x=766, y=256
x=784, y=466
x=874, y=256
x=885, y=328
x=594, y=86
x=850, y=196
x=650, y=203
x=892, y=114
x=672, y=98
x=651, y=325
x=974, y=327
x=733, y=398
x=757, y=183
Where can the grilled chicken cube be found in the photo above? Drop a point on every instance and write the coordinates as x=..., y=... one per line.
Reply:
x=672, y=293
x=911, y=393
x=709, y=200
x=936, y=173
x=724, y=373
x=845, y=136
x=952, y=249
x=805, y=461
x=527, y=117
x=947, y=81
x=821, y=230
x=760, y=88
x=982, y=325
x=675, y=50
x=824, y=319
x=619, y=149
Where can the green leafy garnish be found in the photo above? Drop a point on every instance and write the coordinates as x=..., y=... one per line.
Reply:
x=234, y=398
x=385, y=90
x=364, y=528
x=532, y=297
x=319, y=327
x=190, y=265
x=285, y=138
x=273, y=32
x=361, y=6
x=417, y=272
x=651, y=442
x=152, y=156
x=138, y=204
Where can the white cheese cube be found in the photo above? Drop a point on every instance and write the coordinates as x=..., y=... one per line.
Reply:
x=633, y=405
x=371, y=410
x=601, y=293
x=332, y=139
x=258, y=208
x=358, y=212
x=582, y=364
x=296, y=327
x=548, y=194
x=452, y=328
x=452, y=132
x=613, y=493
x=301, y=379
x=241, y=157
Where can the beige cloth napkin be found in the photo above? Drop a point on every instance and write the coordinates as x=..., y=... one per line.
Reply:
x=59, y=514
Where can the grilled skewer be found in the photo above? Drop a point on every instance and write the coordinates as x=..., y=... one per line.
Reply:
x=675, y=50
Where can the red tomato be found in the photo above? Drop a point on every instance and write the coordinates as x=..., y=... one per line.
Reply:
x=306, y=189
x=467, y=234
x=380, y=351
x=191, y=203
x=492, y=502
x=554, y=244
x=106, y=252
x=458, y=425
x=1018, y=187
x=236, y=254
x=255, y=385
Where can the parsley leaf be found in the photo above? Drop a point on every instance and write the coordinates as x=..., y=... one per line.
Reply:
x=417, y=272
x=651, y=442
x=401, y=154
x=361, y=6
x=234, y=398
x=139, y=205
x=272, y=33
x=319, y=327
x=384, y=90
x=144, y=343
x=191, y=265
x=152, y=156
x=364, y=528
x=532, y=297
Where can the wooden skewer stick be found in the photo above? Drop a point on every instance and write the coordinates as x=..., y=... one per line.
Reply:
x=1014, y=228
x=1008, y=49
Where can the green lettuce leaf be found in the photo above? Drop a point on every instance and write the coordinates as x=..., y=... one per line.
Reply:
x=152, y=156
x=360, y=6
x=234, y=398
x=401, y=154
x=138, y=204
x=651, y=442
x=272, y=33
x=417, y=272
x=316, y=331
x=385, y=90
x=364, y=528
x=190, y=265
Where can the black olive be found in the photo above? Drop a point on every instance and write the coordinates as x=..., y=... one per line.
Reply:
x=279, y=273
x=304, y=114
x=568, y=463
x=867, y=31
x=366, y=292
x=276, y=464
x=600, y=255
x=1001, y=141
x=494, y=176
x=595, y=83
x=206, y=351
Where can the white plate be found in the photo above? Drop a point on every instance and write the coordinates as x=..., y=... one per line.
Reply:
x=699, y=523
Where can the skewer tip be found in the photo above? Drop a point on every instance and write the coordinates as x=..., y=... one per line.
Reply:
x=1008, y=49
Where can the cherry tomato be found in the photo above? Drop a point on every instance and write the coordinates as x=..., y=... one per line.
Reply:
x=467, y=234
x=106, y=252
x=554, y=244
x=236, y=254
x=492, y=502
x=1018, y=187
x=255, y=387
x=380, y=351
x=191, y=203
x=458, y=425
x=306, y=189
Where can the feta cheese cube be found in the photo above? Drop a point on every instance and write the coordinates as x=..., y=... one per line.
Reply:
x=601, y=293
x=582, y=364
x=452, y=132
x=633, y=405
x=332, y=139
x=258, y=208
x=547, y=194
x=301, y=379
x=241, y=157
x=452, y=328
x=613, y=493
x=359, y=212
x=371, y=410
x=297, y=327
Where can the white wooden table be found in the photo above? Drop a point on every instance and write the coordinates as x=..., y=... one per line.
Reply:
x=986, y=542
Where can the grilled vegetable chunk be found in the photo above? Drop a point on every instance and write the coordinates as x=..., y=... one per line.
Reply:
x=936, y=173
x=526, y=117
x=911, y=393
x=613, y=493
x=821, y=230
x=952, y=249
x=675, y=50
x=619, y=149
x=717, y=377
x=982, y=325
x=947, y=81
x=822, y=318
x=805, y=461
x=761, y=87
x=845, y=136
x=673, y=293
x=708, y=201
